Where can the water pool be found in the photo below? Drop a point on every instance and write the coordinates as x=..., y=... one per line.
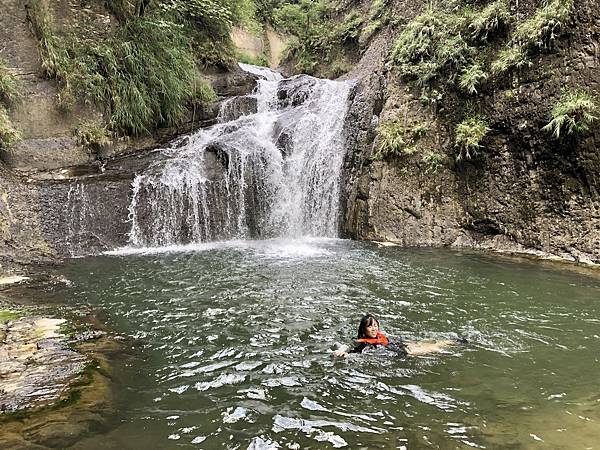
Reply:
x=234, y=340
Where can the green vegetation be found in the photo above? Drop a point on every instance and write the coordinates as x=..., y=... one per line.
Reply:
x=471, y=77
x=376, y=19
x=469, y=134
x=448, y=47
x=397, y=139
x=318, y=43
x=8, y=134
x=143, y=72
x=6, y=315
x=323, y=38
x=433, y=161
x=431, y=44
x=574, y=113
x=510, y=58
x=259, y=60
x=92, y=133
x=9, y=94
x=485, y=23
x=203, y=92
x=442, y=41
x=541, y=29
x=533, y=34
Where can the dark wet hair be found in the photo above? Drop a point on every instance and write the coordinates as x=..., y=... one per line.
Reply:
x=366, y=321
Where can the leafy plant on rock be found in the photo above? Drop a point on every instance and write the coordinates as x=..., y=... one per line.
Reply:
x=433, y=161
x=471, y=77
x=485, y=23
x=574, y=113
x=469, y=134
x=533, y=34
x=92, y=133
x=542, y=28
x=511, y=57
x=8, y=134
x=397, y=139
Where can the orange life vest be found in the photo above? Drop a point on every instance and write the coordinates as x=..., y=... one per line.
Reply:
x=381, y=339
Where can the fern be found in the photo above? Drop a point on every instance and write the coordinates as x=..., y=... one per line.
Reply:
x=574, y=113
x=469, y=134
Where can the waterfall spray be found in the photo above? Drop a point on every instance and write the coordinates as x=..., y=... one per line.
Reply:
x=270, y=168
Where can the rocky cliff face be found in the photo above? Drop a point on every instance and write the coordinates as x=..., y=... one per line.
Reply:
x=80, y=209
x=526, y=192
x=59, y=198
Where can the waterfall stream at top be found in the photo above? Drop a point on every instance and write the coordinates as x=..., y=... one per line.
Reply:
x=270, y=168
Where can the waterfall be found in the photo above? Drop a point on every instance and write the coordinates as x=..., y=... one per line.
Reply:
x=271, y=167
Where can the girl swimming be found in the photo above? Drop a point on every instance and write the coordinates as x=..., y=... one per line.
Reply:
x=370, y=336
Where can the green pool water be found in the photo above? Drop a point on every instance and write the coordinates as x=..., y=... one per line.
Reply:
x=232, y=347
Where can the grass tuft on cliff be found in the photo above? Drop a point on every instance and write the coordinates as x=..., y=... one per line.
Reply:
x=574, y=113
x=431, y=44
x=142, y=72
x=510, y=58
x=6, y=315
x=92, y=133
x=8, y=134
x=469, y=134
x=536, y=33
x=471, y=77
x=9, y=92
x=441, y=43
x=484, y=24
x=397, y=139
x=543, y=27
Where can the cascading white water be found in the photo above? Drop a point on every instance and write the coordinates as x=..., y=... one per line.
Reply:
x=270, y=168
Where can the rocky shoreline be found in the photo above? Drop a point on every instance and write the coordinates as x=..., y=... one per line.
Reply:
x=55, y=382
x=36, y=365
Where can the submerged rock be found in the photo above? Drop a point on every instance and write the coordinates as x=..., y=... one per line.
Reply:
x=53, y=395
x=36, y=366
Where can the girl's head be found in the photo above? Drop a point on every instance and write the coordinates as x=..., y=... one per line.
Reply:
x=368, y=328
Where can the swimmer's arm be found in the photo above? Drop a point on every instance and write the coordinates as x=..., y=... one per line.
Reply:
x=345, y=350
x=341, y=351
x=423, y=348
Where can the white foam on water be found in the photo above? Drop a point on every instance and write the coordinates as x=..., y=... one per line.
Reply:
x=312, y=405
x=278, y=248
x=265, y=72
x=273, y=172
x=260, y=443
x=221, y=380
x=234, y=416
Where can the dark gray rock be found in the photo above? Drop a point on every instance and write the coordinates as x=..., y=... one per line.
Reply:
x=46, y=154
x=234, y=83
x=294, y=91
x=236, y=107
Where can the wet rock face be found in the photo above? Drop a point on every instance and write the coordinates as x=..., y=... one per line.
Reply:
x=525, y=192
x=36, y=366
x=237, y=82
x=85, y=216
x=294, y=91
x=236, y=107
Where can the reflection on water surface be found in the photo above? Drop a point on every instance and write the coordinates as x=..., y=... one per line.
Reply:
x=234, y=343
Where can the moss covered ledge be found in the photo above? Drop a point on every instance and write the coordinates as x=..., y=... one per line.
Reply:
x=55, y=382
